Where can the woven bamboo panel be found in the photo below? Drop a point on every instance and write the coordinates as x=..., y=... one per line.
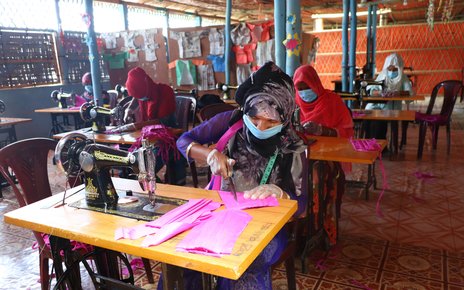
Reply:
x=27, y=59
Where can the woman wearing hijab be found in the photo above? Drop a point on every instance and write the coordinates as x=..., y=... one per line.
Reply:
x=394, y=81
x=153, y=103
x=263, y=138
x=323, y=113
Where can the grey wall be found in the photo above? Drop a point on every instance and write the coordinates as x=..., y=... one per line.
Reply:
x=21, y=103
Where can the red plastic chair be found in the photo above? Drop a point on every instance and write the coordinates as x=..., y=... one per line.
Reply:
x=28, y=161
x=212, y=110
x=452, y=89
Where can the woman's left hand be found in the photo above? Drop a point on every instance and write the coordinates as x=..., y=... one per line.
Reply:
x=263, y=191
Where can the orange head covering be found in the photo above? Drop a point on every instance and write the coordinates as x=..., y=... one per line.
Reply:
x=328, y=109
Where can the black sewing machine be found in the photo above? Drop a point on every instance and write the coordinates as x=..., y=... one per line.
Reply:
x=75, y=154
x=121, y=91
x=225, y=89
x=99, y=115
x=61, y=98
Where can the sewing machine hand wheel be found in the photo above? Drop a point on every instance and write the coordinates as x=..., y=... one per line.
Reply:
x=67, y=153
x=2, y=107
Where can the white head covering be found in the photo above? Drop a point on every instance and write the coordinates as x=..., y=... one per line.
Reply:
x=396, y=83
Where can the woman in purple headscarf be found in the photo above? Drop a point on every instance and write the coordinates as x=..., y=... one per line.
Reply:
x=265, y=138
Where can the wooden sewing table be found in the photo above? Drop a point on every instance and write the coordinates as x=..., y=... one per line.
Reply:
x=98, y=229
x=57, y=126
x=332, y=149
x=391, y=116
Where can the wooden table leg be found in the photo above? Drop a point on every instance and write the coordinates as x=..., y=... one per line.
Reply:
x=173, y=278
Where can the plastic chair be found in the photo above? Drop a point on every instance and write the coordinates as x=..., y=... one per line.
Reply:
x=185, y=111
x=27, y=159
x=212, y=110
x=186, y=106
x=452, y=89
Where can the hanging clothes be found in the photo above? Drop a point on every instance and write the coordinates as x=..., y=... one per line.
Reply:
x=255, y=31
x=205, y=77
x=115, y=60
x=243, y=72
x=185, y=72
x=244, y=54
x=240, y=34
x=189, y=43
x=218, y=62
x=264, y=52
x=216, y=41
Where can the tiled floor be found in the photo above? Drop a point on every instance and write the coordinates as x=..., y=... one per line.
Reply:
x=418, y=242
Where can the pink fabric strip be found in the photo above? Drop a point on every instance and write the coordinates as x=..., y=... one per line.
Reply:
x=217, y=235
x=372, y=145
x=167, y=232
x=134, y=232
x=244, y=203
x=215, y=183
x=179, y=212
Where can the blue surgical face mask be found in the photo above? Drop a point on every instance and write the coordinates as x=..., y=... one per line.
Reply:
x=392, y=74
x=88, y=88
x=308, y=95
x=262, y=135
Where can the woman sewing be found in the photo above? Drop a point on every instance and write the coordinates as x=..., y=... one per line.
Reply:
x=260, y=137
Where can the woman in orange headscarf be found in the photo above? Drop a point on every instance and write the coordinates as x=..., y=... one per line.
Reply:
x=323, y=113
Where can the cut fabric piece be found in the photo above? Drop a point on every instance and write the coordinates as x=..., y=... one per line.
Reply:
x=134, y=232
x=240, y=34
x=115, y=60
x=187, y=212
x=267, y=31
x=110, y=40
x=189, y=43
x=217, y=235
x=150, y=45
x=216, y=41
x=185, y=72
x=244, y=203
x=167, y=232
x=244, y=54
x=255, y=31
x=243, y=72
x=264, y=52
x=205, y=77
x=218, y=62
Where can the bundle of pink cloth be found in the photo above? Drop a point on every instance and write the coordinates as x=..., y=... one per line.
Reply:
x=212, y=233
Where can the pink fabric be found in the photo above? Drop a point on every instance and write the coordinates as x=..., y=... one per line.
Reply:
x=166, y=232
x=423, y=175
x=215, y=183
x=372, y=145
x=134, y=232
x=217, y=235
x=79, y=101
x=183, y=213
x=244, y=203
x=167, y=141
x=435, y=119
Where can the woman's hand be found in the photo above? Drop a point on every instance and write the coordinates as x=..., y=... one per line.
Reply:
x=220, y=164
x=312, y=128
x=263, y=191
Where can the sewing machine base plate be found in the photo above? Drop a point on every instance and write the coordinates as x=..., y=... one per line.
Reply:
x=136, y=209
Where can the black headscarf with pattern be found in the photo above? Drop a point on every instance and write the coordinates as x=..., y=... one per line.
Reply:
x=270, y=85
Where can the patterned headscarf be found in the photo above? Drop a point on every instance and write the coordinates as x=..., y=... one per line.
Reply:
x=270, y=88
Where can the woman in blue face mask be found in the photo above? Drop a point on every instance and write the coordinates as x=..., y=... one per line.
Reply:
x=262, y=155
x=394, y=83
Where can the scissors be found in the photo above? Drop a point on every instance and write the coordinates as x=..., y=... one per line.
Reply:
x=232, y=184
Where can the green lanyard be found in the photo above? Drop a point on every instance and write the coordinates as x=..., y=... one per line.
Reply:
x=269, y=167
